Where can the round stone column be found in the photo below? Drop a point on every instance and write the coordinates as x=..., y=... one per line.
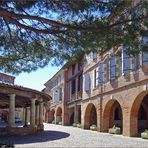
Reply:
x=37, y=114
x=12, y=111
x=41, y=113
x=32, y=113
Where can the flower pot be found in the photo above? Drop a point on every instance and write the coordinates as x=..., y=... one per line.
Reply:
x=144, y=135
x=79, y=125
x=93, y=128
x=115, y=130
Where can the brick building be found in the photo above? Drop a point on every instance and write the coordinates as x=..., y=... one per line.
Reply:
x=108, y=89
x=111, y=89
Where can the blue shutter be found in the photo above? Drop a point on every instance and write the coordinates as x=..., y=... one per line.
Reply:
x=112, y=67
x=126, y=60
x=145, y=51
x=95, y=84
x=136, y=62
x=101, y=71
x=87, y=82
x=145, y=57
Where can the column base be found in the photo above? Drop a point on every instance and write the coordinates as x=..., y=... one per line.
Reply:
x=40, y=127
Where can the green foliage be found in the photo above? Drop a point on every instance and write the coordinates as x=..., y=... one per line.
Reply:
x=79, y=125
x=35, y=33
x=93, y=127
x=146, y=131
x=74, y=125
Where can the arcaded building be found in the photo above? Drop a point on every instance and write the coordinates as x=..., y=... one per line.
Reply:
x=107, y=90
x=25, y=104
x=55, y=88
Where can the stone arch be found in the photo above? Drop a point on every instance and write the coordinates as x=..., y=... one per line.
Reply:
x=112, y=115
x=4, y=115
x=90, y=117
x=140, y=103
x=51, y=116
x=59, y=115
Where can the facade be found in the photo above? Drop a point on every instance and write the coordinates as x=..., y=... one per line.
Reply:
x=109, y=89
x=114, y=91
x=55, y=88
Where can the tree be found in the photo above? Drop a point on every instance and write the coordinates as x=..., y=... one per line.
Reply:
x=34, y=33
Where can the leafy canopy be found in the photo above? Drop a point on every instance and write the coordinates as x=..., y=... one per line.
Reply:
x=34, y=33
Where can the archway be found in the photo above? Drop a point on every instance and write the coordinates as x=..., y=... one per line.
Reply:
x=4, y=115
x=112, y=115
x=51, y=116
x=59, y=115
x=90, y=116
x=139, y=114
x=79, y=114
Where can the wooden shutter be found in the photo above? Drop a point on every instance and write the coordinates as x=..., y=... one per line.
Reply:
x=105, y=71
x=87, y=82
x=112, y=67
x=126, y=60
x=136, y=62
x=94, y=56
x=145, y=57
x=96, y=75
x=101, y=72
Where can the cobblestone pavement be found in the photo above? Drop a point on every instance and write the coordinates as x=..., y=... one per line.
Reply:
x=66, y=136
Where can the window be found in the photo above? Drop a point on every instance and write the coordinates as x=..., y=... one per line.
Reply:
x=107, y=70
x=79, y=83
x=101, y=72
x=55, y=95
x=126, y=60
x=118, y=64
x=136, y=61
x=87, y=82
x=60, y=94
x=145, y=57
x=96, y=77
x=73, y=89
x=94, y=55
x=112, y=67
x=73, y=69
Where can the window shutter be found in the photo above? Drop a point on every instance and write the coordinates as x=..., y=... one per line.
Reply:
x=126, y=60
x=94, y=56
x=87, y=82
x=97, y=76
x=117, y=65
x=137, y=62
x=101, y=72
x=105, y=72
x=145, y=57
x=112, y=67
x=94, y=79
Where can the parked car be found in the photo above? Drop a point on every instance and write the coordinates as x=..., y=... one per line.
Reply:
x=18, y=120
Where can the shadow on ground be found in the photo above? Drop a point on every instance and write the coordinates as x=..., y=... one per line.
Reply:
x=34, y=138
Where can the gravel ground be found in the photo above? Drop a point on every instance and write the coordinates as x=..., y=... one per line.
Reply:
x=66, y=136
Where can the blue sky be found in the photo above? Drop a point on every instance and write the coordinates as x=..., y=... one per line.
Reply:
x=36, y=79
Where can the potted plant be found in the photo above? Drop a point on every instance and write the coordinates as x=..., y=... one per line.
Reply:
x=144, y=134
x=60, y=123
x=115, y=130
x=74, y=125
x=79, y=125
x=53, y=122
x=93, y=127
